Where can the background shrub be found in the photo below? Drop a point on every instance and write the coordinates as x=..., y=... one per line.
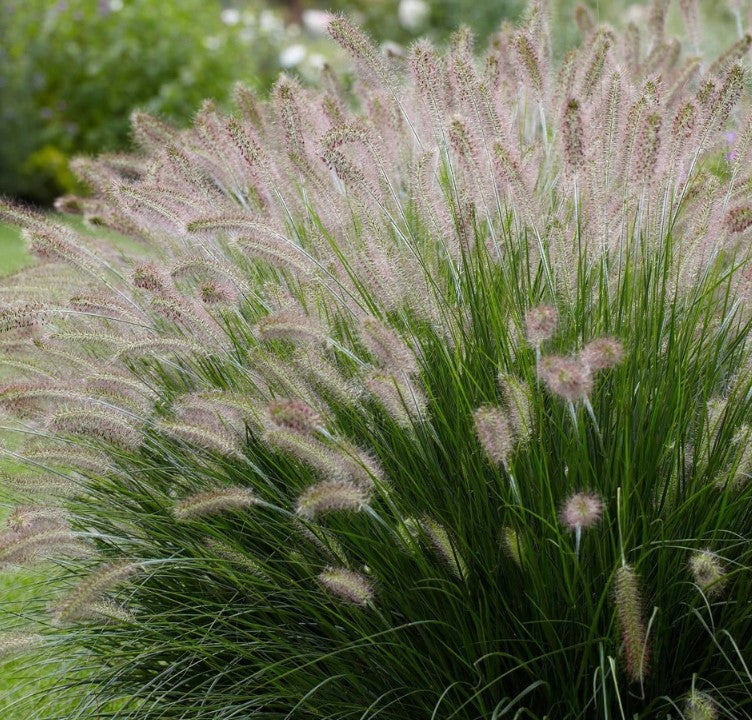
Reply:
x=71, y=72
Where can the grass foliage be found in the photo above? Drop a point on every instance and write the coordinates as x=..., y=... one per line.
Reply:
x=429, y=400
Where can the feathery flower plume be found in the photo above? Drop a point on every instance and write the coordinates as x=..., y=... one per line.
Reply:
x=657, y=19
x=326, y=377
x=512, y=544
x=108, y=612
x=402, y=400
x=647, y=145
x=97, y=425
x=18, y=643
x=330, y=496
x=584, y=20
x=389, y=348
x=156, y=347
x=151, y=133
x=708, y=572
x=581, y=510
x=572, y=136
x=347, y=586
x=77, y=603
x=602, y=354
x=38, y=485
x=294, y=415
x=35, y=517
x=736, y=52
x=540, y=323
x=728, y=95
x=19, y=548
x=494, y=433
x=738, y=219
x=684, y=122
x=360, y=47
x=427, y=71
x=690, y=11
x=22, y=315
x=569, y=378
x=700, y=706
x=442, y=544
x=213, y=439
x=528, y=60
x=286, y=92
x=360, y=467
x=596, y=62
x=148, y=276
x=290, y=324
x=628, y=602
x=517, y=397
x=306, y=449
x=212, y=292
x=214, y=502
x=227, y=552
x=742, y=469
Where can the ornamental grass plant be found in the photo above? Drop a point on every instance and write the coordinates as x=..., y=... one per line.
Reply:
x=428, y=396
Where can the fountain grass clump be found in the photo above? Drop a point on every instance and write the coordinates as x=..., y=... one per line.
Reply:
x=431, y=397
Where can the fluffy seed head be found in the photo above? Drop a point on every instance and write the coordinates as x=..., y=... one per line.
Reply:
x=148, y=276
x=738, y=219
x=291, y=325
x=77, y=603
x=389, y=348
x=700, y=706
x=572, y=136
x=512, y=544
x=16, y=643
x=628, y=601
x=569, y=378
x=294, y=415
x=517, y=398
x=329, y=496
x=494, y=433
x=602, y=353
x=347, y=586
x=402, y=400
x=540, y=323
x=35, y=517
x=442, y=545
x=214, y=502
x=19, y=315
x=708, y=572
x=581, y=510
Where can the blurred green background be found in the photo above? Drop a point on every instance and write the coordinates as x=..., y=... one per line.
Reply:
x=71, y=71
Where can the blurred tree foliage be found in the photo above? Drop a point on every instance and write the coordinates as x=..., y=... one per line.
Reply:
x=402, y=20
x=72, y=71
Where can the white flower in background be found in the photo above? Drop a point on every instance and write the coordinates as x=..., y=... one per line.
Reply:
x=270, y=23
x=316, y=61
x=247, y=35
x=212, y=42
x=116, y=5
x=412, y=14
x=292, y=56
x=316, y=22
x=636, y=14
x=230, y=16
